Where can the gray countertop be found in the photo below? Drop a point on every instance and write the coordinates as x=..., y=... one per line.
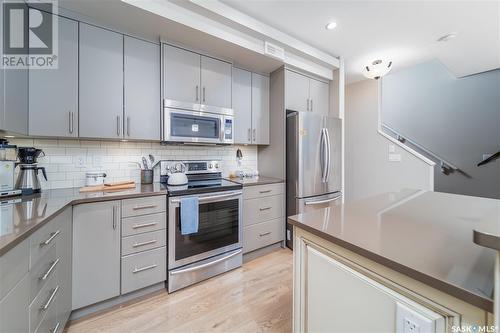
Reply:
x=261, y=180
x=425, y=235
x=21, y=216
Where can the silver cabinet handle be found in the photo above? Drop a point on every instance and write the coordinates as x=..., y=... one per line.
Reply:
x=49, y=301
x=267, y=191
x=54, y=330
x=254, y=135
x=144, y=243
x=265, y=234
x=265, y=208
x=137, y=270
x=307, y=104
x=70, y=125
x=128, y=126
x=49, y=240
x=312, y=108
x=143, y=207
x=118, y=125
x=51, y=268
x=208, y=264
x=203, y=94
x=249, y=135
x=144, y=225
x=114, y=217
x=197, y=93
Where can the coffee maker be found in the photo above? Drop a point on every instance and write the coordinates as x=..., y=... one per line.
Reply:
x=7, y=166
x=27, y=180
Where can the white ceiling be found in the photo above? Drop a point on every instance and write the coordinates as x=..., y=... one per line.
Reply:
x=402, y=31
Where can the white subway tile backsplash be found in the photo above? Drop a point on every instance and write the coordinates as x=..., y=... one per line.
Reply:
x=63, y=158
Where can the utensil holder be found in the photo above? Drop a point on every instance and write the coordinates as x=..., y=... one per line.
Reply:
x=146, y=176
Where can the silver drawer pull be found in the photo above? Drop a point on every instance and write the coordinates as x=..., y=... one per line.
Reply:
x=267, y=191
x=265, y=208
x=144, y=243
x=51, y=268
x=54, y=330
x=265, y=234
x=137, y=270
x=51, y=238
x=143, y=207
x=49, y=301
x=144, y=225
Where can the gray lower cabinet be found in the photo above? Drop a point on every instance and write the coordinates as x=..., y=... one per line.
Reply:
x=101, y=83
x=53, y=94
x=242, y=106
x=64, y=252
x=96, y=252
x=14, y=313
x=142, y=89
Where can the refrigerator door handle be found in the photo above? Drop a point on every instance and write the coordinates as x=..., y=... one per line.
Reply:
x=324, y=156
x=328, y=154
x=307, y=203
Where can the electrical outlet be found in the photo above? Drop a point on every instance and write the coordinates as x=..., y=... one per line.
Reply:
x=392, y=148
x=409, y=326
x=394, y=157
x=80, y=161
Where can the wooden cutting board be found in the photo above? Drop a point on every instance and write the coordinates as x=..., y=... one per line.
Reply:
x=108, y=187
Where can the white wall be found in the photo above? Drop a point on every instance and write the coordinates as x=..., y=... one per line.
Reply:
x=62, y=159
x=368, y=170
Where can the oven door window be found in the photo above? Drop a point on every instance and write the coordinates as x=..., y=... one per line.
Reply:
x=193, y=126
x=217, y=228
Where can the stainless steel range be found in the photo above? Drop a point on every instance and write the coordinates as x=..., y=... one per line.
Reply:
x=217, y=245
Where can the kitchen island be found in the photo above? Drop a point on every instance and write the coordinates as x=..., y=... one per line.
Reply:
x=395, y=261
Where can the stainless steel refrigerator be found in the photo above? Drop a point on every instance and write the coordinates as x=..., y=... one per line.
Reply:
x=313, y=163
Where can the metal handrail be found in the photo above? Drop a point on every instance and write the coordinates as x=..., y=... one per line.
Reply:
x=446, y=166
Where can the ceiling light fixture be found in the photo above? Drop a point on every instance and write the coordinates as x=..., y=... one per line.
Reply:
x=331, y=26
x=377, y=69
x=447, y=37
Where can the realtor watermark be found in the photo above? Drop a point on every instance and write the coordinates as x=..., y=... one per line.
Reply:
x=29, y=35
x=474, y=329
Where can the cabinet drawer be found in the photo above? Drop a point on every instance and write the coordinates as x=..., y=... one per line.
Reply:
x=140, y=224
x=262, y=234
x=251, y=192
x=42, y=239
x=143, y=206
x=13, y=266
x=49, y=323
x=263, y=209
x=43, y=271
x=45, y=300
x=143, y=269
x=143, y=242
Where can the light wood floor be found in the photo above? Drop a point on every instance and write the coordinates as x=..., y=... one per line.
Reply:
x=254, y=298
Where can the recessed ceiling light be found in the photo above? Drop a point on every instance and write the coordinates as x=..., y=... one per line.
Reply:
x=447, y=37
x=331, y=26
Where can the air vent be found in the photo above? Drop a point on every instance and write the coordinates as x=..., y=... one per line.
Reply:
x=274, y=51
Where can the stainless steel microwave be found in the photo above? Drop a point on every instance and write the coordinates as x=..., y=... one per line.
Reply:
x=185, y=126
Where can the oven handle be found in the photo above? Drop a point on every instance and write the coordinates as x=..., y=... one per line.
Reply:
x=212, y=197
x=208, y=264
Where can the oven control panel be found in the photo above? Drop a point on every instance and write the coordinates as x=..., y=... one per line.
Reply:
x=190, y=167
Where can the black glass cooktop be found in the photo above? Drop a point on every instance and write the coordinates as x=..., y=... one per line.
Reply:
x=203, y=186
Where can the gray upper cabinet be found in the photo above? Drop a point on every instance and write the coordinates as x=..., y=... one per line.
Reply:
x=242, y=106
x=306, y=94
x=215, y=83
x=297, y=91
x=319, y=96
x=181, y=77
x=96, y=252
x=53, y=94
x=260, y=109
x=101, y=83
x=142, y=89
